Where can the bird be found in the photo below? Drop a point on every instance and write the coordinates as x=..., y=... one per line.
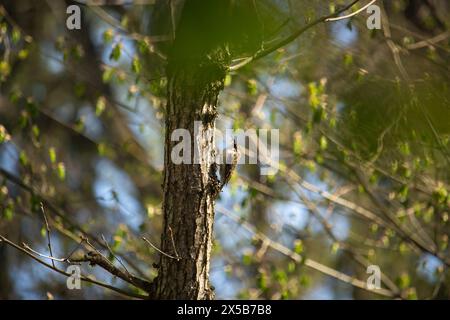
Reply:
x=227, y=168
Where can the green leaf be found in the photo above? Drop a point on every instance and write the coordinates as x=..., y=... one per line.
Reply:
x=335, y=248
x=332, y=8
x=108, y=35
x=314, y=100
x=23, y=159
x=440, y=194
x=262, y=281
x=291, y=267
x=61, y=169
x=8, y=212
x=52, y=154
x=252, y=87
x=4, y=136
x=77, y=51
x=35, y=130
x=23, y=54
x=304, y=280
x=374, y=227
x=247, y=258
x=323, y=143
x=403, y=248
x=228, y=270
x=124, y=22
x=404, y=148
x=228, y=80
x=348, y=59
x=428, y=215
x=281, y=276
x=107, y=75
x=79, y=124
x=144, y=46
x=15, y=95
x=298, y=143
x=101, y=148
x=16, y=36
x=116, y=52
x=5, y=69
x=403, y=281
x=270, y=178
x=310, y=165
x=136, y=65
x=411, y=294
x=403, y=193
x=298, y=246
x=100, y=106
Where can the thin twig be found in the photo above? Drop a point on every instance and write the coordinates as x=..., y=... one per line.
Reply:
x=84, y=234
x=160, y=251
x=96, y=258
x=173, y=243
x=351, y=14
x=82, y=278
x=27, y=247
x=47, y=227
x=74, y=250
x=262, y=53
x=114, y=256
x=299, y=259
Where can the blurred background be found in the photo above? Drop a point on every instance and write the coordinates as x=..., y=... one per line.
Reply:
x=364, y=120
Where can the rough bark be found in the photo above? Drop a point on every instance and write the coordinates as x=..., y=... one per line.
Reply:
x=5, y=284
x=189, y=189
x=206, y=33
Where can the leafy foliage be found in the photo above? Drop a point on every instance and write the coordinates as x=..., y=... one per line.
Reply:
x=364, y=143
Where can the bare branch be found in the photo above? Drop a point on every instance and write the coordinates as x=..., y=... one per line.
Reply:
x=299, y=259
x=47, y=227
x=292, y=37
x=159, y=250
x=82, y=278
x=352, y=14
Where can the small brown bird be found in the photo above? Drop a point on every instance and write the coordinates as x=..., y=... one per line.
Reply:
x=227, y=168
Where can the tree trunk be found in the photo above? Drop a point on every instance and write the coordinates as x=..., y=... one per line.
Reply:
x=189, y=189
x=5, y=284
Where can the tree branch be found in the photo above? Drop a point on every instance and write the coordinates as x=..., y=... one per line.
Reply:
x=82, y=278
x=307, y=262
x=260, y=54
